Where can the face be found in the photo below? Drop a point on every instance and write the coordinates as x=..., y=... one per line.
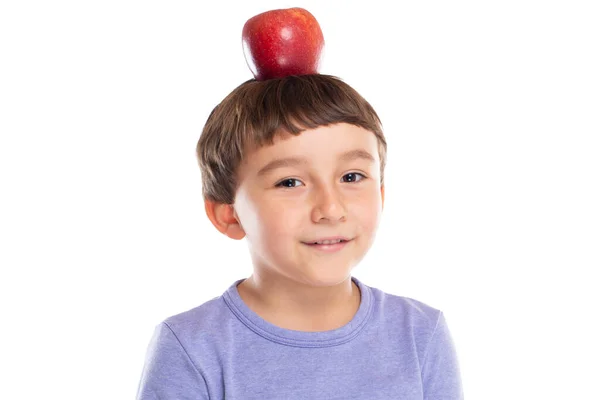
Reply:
x=321, y=186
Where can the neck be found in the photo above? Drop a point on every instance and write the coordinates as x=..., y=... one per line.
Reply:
x=293, y=305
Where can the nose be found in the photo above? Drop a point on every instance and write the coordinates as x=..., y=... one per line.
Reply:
x=328, y=205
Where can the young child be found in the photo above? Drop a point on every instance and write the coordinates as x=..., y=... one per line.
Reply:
x=295, y=165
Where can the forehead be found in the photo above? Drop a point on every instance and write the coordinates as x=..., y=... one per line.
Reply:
x=322, y=143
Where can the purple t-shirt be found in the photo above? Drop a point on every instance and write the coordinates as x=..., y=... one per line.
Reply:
x=393, y=348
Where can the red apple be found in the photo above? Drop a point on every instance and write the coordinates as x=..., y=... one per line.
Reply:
x=283, y=42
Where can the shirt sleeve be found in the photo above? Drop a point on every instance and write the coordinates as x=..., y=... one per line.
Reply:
x=169, y=373
x=440, y=371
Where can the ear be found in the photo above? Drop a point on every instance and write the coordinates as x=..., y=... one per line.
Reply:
x=382, y=195
x=224, y=218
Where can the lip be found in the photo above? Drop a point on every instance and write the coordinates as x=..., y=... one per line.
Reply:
x=344, y=238
x=329, y=248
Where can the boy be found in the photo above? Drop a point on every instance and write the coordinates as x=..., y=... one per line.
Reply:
x=295, y=165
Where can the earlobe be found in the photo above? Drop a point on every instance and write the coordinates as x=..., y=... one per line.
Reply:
x=223, y=218
x=382, y=196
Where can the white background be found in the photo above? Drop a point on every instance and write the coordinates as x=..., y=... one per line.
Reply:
x=491, y=111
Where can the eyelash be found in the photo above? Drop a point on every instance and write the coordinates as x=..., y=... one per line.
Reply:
x=280, y=184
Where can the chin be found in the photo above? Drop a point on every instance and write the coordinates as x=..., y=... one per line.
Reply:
x=327, y=276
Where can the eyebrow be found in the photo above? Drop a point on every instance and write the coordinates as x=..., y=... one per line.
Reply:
x=280, y=163
x=356, y=155
x=297, y=161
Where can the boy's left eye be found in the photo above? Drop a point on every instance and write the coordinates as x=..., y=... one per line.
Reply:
x=353, y=177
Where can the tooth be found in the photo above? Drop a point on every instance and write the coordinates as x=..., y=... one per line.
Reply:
x=329, y=241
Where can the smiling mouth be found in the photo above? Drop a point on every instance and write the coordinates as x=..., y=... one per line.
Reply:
x=328, y=242
x=335, y=241
x=328, y=246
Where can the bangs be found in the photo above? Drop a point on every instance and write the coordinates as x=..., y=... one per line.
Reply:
x=297, y=103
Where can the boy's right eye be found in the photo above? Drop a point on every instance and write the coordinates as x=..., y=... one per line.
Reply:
x=288, y=183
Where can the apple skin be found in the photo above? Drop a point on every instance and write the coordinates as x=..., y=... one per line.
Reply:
x=282, y=42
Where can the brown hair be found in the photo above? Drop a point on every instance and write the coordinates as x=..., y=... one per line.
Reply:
x=254, y=112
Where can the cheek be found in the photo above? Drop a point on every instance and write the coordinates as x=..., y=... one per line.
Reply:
x=367, y=210
x=278, y=220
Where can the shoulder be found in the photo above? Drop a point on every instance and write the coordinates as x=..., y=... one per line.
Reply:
x=200, y=334
x=204, y=319
x=405, y=309
x=423, y=328
x=172, y=368
x=404, y=317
